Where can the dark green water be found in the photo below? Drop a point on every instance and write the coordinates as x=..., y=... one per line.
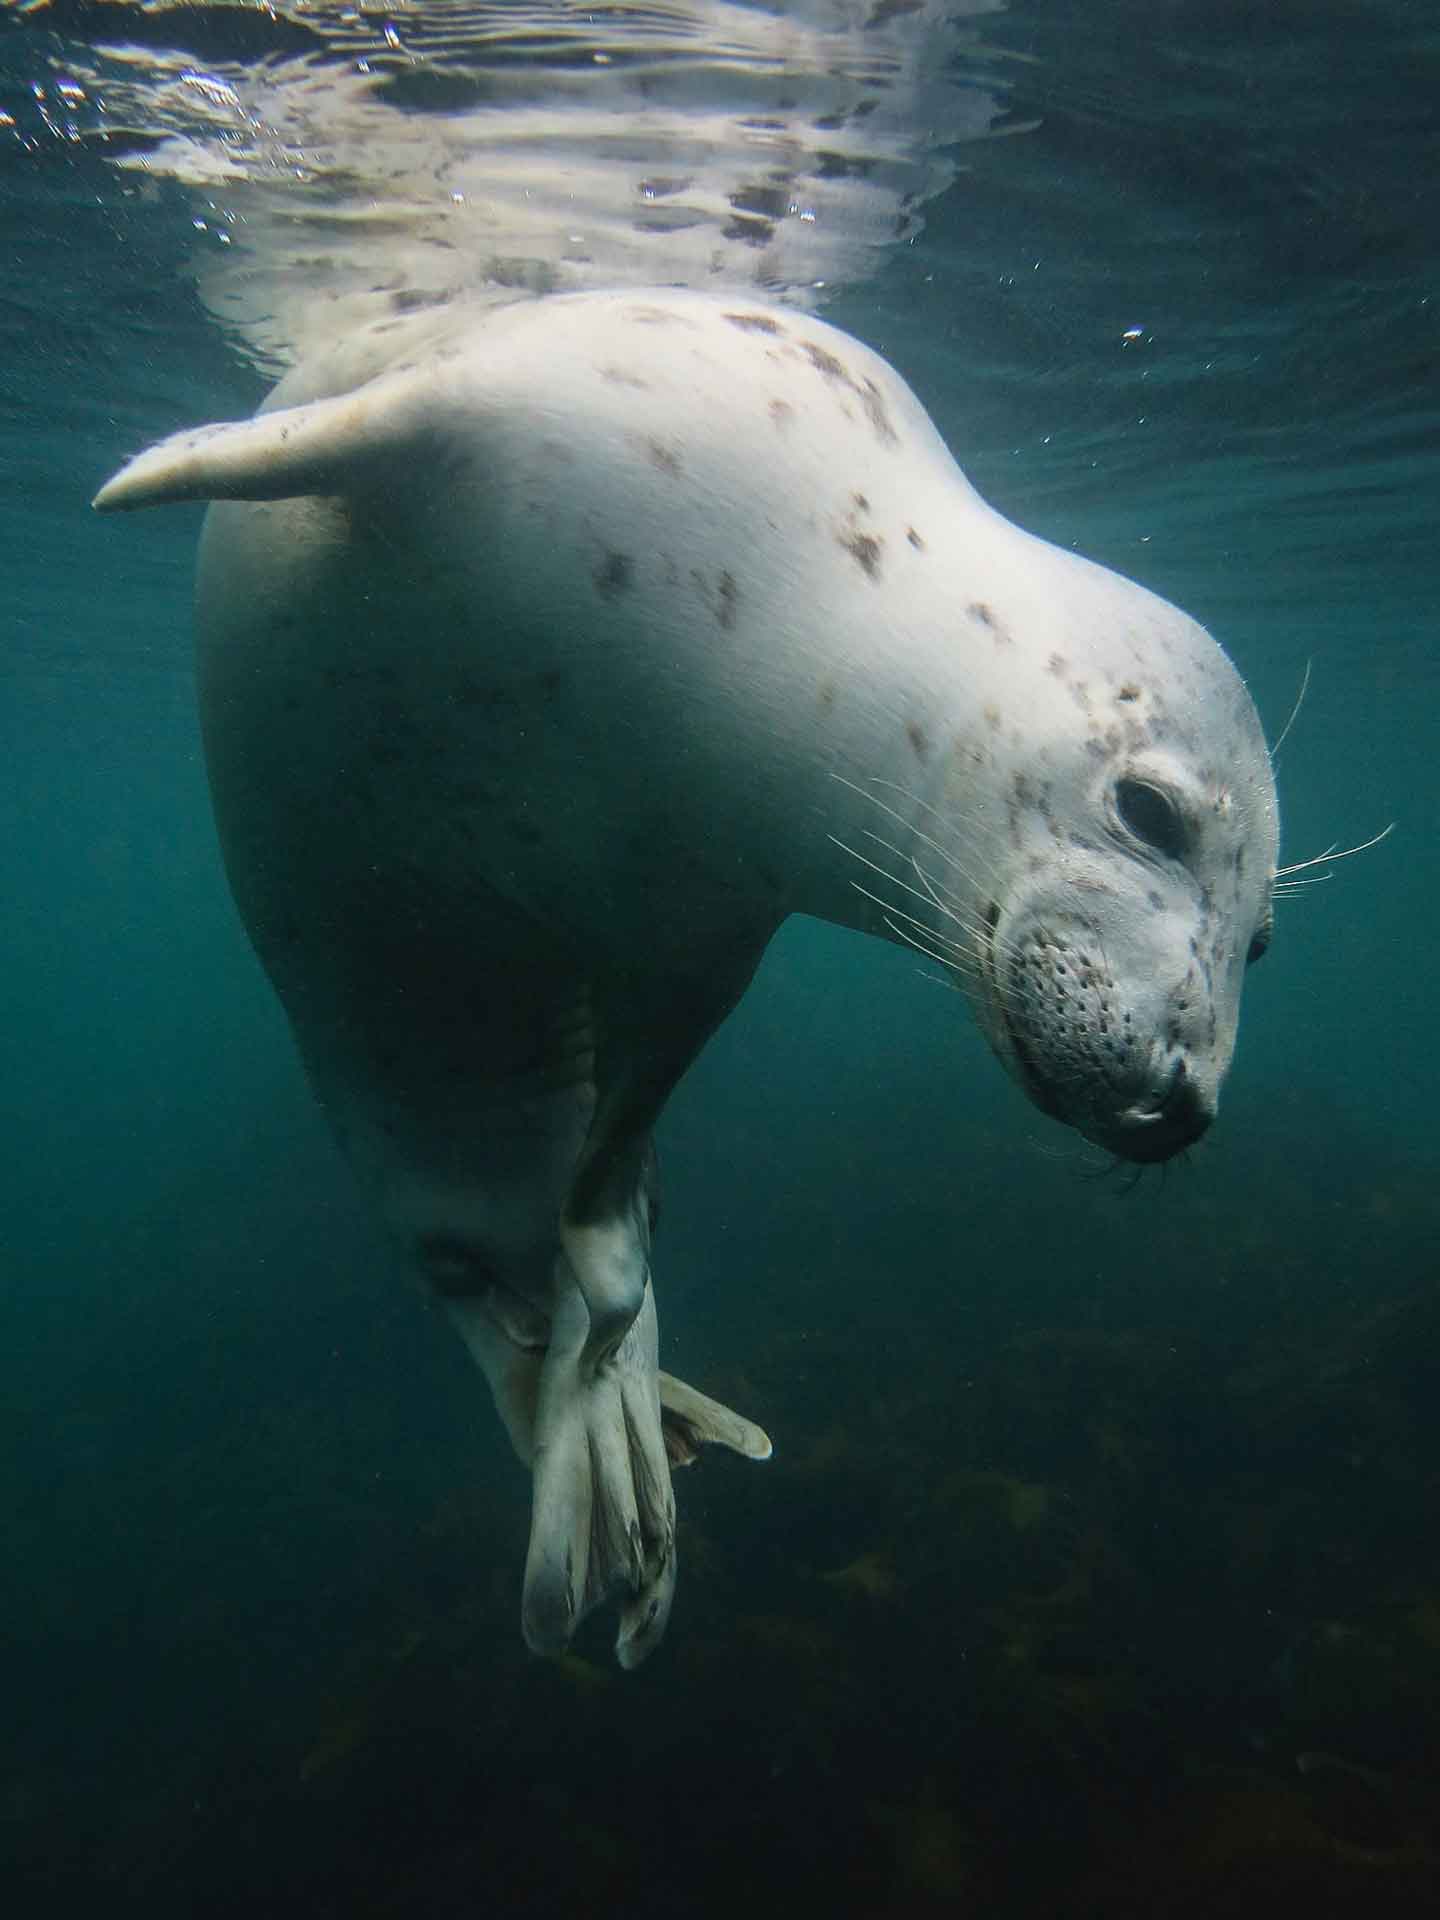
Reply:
x=1096, y=1572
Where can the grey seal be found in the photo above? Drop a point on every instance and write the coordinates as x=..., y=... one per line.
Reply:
x=548, y=659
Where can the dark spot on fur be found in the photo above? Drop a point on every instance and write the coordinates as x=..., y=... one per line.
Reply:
x=723, y=601
x=782, y=413
x=618, y=377
x=862, y=505
x=1155, y=902
x=918, y=738
x=754, y=323
x=985, y=617
x=873, y=402
x=659, y=317
x=825, y=363
x=1128, y=692
x=864, y=549
x=663, y=459
x=1058, y=665
x=915, y=540
x=614, y=575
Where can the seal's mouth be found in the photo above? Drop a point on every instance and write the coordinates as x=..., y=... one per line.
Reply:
x=1147, y=1132
x=1153, y=1131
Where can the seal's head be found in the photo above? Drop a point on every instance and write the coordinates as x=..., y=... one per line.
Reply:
x=1126, y=883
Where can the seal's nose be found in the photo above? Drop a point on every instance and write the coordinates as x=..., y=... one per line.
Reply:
x=1152, y=1131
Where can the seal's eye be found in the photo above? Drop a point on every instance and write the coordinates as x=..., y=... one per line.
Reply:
x=1259, y=940
x=1152, y=816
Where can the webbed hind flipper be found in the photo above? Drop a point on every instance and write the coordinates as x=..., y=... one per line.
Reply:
x=691, y=1420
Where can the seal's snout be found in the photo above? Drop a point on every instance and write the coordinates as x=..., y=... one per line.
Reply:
x=1132, y=1071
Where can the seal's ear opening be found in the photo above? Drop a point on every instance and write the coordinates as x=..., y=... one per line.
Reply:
x=326, y=447
x=691, y=1420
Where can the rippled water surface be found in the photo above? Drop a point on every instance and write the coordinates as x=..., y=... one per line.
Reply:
x=1095, y=1572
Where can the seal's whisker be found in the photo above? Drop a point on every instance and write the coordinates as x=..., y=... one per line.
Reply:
x=936, y=814
x=964, y=955
x=937, y=980
x=976, y=937
x=977, y=932
x=952, y=908
x=920, y=947
x=973, y=880
x=960, y=956
x=884, y=874
x=893, y=812
x=980, y=935
x=928, y=840
x=1294, y=712
x=960, y=961
x=1333, y=852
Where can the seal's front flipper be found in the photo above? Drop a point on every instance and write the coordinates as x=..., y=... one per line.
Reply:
x=692, y=1420
x=323, y=447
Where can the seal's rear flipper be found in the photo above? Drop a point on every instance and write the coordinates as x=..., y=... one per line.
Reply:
x=692, y=1420
x=320, y=448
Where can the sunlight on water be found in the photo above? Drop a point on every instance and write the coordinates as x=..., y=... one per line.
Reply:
x=346, y=166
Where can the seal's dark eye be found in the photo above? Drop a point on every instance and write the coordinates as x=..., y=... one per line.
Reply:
x=1152, y=816
x=1259, y=941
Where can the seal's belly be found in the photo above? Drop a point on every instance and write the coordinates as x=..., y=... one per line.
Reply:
x=361, y=797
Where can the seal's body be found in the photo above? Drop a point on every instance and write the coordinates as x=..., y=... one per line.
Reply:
x=544, y=673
